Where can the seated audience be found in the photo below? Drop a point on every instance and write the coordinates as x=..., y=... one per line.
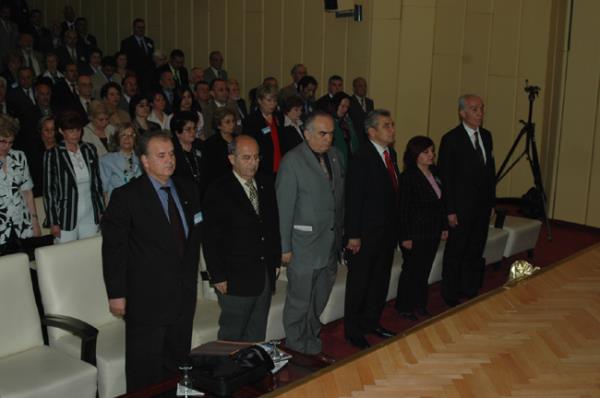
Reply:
x=422, y=224
x=185, y=102
x=73, y=198
x=220, y=98
x=307, y=87
x=52, y=71
x=264, y=124
x=17, y=207
x=99, y=132
x=335, y=84
x=120, y=167
x=105, y=74
x=241, y=244
x=72, y=52
x=176, y=66
x=345, y=138
x=31, y=57
x=110, y=95
x=121, y=70
x=139, y=110
x=215, y=152
x=202, y=93
x=234, y=95
x=93, y=64
x=196, y=75
x=166, y=85
x=130, y=88
x=215, y=70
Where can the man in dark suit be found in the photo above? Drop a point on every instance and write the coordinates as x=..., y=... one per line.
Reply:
x=31, y=58
x=335, y=84
x=241, y=243
x=298, y=72
x=139, y=50
x=28, y=135
x=69, y=20
x=360, y=106
x=42, y=37
x=176, y=66
x=150, y=253
x=21, y=99
x=215, y=70
x=371, y=229
x=307, y=87
x=310, y=196
x=71, y=52
x=468, y=172
x=65, y=94
x=87, y=41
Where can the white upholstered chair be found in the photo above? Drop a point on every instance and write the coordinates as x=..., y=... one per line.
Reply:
x=72, y=284
x=28, y=368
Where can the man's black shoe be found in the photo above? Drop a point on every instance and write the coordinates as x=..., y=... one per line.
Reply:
x=451, y=302
x=408, y=315
x=422, y=312
x=359, y=342
x=383, y=332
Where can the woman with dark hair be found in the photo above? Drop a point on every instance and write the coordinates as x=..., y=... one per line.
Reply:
x=188, y=149
x=292, y=134
x=265, y=124
x=121, y=61
x=18, y=215
x=73, y=198
x=185, y=102
x=110, y=94
x=158, y=103
x=139, y=110
x=344, y=135
x=216, y=160
x=422, y=224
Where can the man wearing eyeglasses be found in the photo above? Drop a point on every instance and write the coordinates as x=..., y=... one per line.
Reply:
x=310, y=192
x=241, y=243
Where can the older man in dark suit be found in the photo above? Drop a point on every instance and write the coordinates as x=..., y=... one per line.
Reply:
x=360, y=105
x=468, y=174
x=241, y=243
x=150, y=252
x=310, y=192
x=371, y=229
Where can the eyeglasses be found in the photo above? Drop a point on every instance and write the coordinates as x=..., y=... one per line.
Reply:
x=7, y=142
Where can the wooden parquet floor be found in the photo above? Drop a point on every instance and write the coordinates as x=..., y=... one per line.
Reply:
x=537, y=338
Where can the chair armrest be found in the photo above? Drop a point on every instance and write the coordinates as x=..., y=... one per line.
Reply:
x=500, y=216
x=79, y=328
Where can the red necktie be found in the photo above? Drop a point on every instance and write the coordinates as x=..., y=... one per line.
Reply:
x=390, y=168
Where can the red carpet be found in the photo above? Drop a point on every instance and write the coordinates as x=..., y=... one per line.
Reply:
x=567, y=240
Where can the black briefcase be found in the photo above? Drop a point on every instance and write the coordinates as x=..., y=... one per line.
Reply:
x=223, y=368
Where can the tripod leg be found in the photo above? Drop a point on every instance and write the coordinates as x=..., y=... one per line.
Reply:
x=537, y=177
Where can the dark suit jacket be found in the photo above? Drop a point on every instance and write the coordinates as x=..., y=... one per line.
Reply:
x=422, y=214
x=64, y=57
x=19, y=102
x=289, y=138
x=243, y=109
x=371, y=201
x=358, y=115
x=138, y=60
x=467, y=183
x=42, y=38
x=325, y=104
x=183, y=169
x=254, y=125
x=239, y=245
x=183, y=75
x=62, y=97
x=140, y=255
x=214, y=157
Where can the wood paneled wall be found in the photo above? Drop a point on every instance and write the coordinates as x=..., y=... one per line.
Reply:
x=418, y=57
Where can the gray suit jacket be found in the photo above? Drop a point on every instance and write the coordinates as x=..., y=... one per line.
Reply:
x=209, y=75
x=311, y=210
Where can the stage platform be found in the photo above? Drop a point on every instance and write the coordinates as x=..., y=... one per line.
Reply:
x=536, y=338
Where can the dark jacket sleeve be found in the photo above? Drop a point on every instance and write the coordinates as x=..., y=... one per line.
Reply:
x=356, y=177
x=115, y=225
x=214, y=239
x=446, y=162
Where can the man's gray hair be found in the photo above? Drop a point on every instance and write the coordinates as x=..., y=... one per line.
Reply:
x=232, y=146
x=161, y=135
x=462, y=100
x=309, y=123
x=373, y=118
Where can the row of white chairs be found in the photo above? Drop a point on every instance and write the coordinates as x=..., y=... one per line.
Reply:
x=71, y=284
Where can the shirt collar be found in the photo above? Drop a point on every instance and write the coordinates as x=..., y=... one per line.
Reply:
x=380, y=149
x=242, y=180
x=157, y=185
x=470, y=131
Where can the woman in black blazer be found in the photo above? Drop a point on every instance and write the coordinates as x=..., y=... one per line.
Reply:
x=265, y=124
x=216, y=153
x=188, y=149
x=73, y=198
x=422, y=225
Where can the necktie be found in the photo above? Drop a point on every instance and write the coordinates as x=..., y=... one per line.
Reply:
x=143, y=45
x=324, y=166
x=252, y=195
x=175, y=219
x=478, y=150
x=390, y=168
x=362, y=104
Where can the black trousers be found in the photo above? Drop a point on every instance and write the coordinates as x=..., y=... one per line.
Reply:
x=154, y=353
x=368, y=281
x=462, y=272
x=412, y=286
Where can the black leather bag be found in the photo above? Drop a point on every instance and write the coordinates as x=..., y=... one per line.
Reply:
x=223, y=371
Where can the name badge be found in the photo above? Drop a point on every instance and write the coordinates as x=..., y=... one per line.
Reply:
x=198, y=218
x=303, y=228
x=266, y=130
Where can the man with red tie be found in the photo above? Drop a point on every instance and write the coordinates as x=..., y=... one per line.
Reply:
x=371, y=227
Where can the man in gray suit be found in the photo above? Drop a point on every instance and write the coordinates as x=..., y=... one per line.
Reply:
x=310, y=192
x=215, y=70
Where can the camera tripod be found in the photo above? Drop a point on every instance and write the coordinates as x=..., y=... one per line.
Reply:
x=531, y=153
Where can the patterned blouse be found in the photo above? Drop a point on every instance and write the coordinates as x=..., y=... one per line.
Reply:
x=14, y=214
